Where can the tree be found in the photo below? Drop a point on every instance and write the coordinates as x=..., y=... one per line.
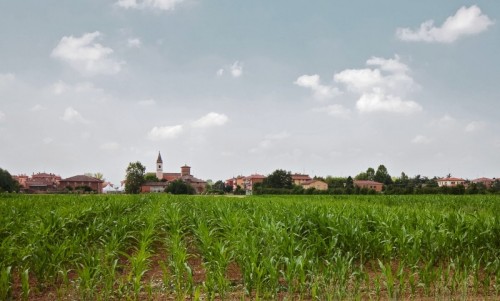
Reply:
x=7, y=183
x=97, y=175
x=150, y=177
x=219, y=186
x=368, y=175
x=382, y=175
x=135, y=177
x=279, y=179
x=179, y=187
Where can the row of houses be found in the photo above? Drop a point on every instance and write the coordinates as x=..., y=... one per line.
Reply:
x=453, y=182
x=247, y=183
x=49, y=182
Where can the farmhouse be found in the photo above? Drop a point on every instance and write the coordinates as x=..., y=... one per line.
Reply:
x=316, y=184
x=369, y=185
x=299, y=179
x=82, y=182
x=450, y=182
x=39, y=182
x=484, y=181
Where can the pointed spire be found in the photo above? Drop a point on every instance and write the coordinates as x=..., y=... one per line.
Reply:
x=159, y=160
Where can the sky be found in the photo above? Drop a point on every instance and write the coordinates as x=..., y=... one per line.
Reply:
x=241, y=87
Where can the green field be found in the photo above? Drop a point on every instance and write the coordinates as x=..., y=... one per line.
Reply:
x=163, y=247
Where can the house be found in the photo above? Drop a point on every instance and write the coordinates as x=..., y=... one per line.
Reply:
x=450, y=182
x=484, y=181
x=150, y=187
x=299, y=179
x=165, y=178
x=39, y=182
x=251, y=180
x=81, y=182
x=316, y=184
x=369, y=185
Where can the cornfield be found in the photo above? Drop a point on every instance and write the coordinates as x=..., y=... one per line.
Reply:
x=164, y=247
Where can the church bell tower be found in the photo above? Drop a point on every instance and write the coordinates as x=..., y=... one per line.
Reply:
x=159, y=167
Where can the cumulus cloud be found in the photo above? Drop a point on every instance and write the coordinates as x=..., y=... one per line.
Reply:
x=73, y=116
x=269, y=141
x=335, y=110
x=6, y=79
x=474, y=126
x=421, y=139
x=220, y=72
x=236, y=69
x=165, y=132
x=465, y=22
x=444, y=122
x=87, y=56
x=209, y=120
x=383, y=88
x=319, y=91
x=379, y=101
x=37, y=108
x=149, y=4
x=147, y=102
x=134, y=43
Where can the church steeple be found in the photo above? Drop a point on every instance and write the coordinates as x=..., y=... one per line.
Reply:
x=159, y=167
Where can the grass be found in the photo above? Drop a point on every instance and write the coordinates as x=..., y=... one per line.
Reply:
x=148, y=247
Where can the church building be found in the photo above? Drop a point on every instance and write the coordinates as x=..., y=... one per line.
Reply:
x=167, y=177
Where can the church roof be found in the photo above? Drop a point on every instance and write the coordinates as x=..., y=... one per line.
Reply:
x=159, y=160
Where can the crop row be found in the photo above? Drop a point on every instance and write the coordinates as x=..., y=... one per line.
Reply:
x=322, y=247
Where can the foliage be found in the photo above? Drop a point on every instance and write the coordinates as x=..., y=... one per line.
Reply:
x=150, y=177
x=7, y=183
x=135, y=177
x=279, y=179
x=179, y=187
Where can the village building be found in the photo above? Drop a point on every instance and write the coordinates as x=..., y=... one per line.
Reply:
x=316, y=184
x=81, y=182
x=299, y=179
x=372, y=185
x=486, y=182
x=38, y=183
x=165, y=178
x=251, y=180
x=450, y=182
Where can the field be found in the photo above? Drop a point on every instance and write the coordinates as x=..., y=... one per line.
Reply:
x=163, y=247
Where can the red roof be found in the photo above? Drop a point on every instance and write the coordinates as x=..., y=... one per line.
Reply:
x=481, y=180
x=367, y=182
x=300, y=177
x=255, y=176
x=81, y=178
x=451, y=179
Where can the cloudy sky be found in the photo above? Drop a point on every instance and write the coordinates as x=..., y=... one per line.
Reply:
x=239, y=87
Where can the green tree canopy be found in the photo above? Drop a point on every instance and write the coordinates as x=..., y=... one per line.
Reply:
x=135, y=177
x=382, y=175
x=279, y=179
x=7, y=183
x=179, y=187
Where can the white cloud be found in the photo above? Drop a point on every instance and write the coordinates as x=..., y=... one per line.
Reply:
x=444, y=122
x=37, y=108
x=465, y=22
x=110, y=146
x=236, y=69
x=59, y=87
x=73, y=116
x=147, y=102
x=134, y=43
x=420, y=139
x=319, y=91
x=86, y=56
x=165, y=132
x=47, y=140
x=149, y=4
x=269, y=141
x=474, y=126
x=359, y=80
x=335, y=110
x=2, y=116
x=390, y=65
x=379, y=101
x=220, y=72
x=211, y=119
x=6, y=79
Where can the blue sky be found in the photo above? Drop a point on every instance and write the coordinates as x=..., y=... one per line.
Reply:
x=241, y=87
